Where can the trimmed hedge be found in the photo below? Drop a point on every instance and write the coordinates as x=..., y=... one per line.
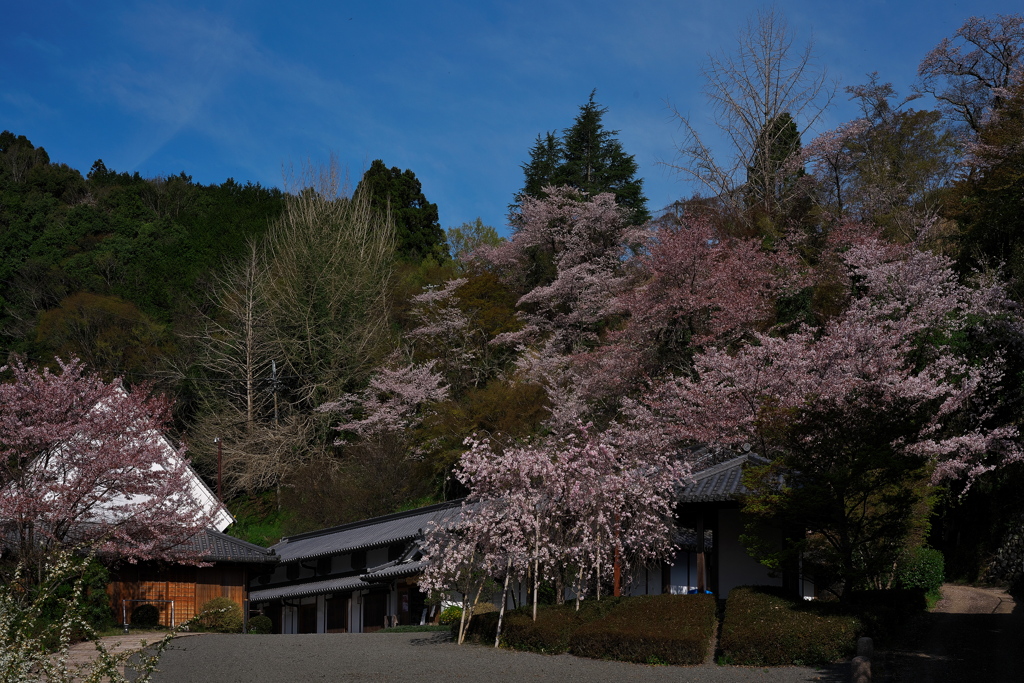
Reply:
x=548, y=635
x=662, y=629
x=260, y=624
x=145, y=616
x=765, y=627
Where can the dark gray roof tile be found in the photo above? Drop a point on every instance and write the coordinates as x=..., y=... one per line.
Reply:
x=370, y=533
x=339, y=585
x=214, y=546
x=722, y=482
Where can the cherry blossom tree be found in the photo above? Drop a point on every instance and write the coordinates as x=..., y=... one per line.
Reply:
x=881, y=394
x=394, y=401
x=84, y=462
x=574, y=511
x=568, y=258
x=694, y=287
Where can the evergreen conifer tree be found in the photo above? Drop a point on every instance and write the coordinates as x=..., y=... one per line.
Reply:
x=588, y=158
x=417, y=229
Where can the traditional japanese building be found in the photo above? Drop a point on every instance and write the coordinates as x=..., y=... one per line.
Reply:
x=353, y=578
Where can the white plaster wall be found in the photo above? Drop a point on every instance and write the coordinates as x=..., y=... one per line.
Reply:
x=355, y=621
x=735, y=566
x=289, y=619
x=646, y=582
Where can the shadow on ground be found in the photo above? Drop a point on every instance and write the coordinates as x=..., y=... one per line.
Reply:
x=952, y=648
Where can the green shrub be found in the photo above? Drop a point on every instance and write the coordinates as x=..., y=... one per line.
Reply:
x=450, y=615
x=482, y=628
x=554, y=627
x=763, y=626
x=548, y=635
x=260, y=624
x=145, y=616
x=660, y=629
x=222, y=615
x=923, y=568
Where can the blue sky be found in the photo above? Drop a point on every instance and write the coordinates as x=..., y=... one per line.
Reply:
x=456, y=91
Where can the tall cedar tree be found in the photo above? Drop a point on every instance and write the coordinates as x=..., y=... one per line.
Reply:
x=770, y=180
x=587, y=158
x=417, y=229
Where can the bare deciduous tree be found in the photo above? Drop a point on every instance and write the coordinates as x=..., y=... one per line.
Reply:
x=303, y=317
x=754, y=92
x=330, y=262
x=971, y=73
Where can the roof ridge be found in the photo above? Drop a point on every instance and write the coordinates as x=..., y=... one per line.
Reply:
x=740, y=459
x=373, y=520
x=238, y=541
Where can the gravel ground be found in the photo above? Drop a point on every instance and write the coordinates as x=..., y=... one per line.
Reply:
x=974, y=634
x=400, y=657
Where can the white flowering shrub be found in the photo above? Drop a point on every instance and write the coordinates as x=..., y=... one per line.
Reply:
x=35, y=648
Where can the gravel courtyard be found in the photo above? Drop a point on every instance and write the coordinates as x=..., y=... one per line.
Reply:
x=400, y=657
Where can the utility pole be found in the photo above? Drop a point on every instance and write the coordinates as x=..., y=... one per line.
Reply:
x=220, y=469
x=273, y=381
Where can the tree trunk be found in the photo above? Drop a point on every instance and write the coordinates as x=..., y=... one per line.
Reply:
x=504, y=599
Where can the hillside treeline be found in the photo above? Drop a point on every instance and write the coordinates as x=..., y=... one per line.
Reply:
x=337, y=349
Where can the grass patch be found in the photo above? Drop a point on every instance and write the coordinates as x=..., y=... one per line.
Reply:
x=257, y=519
x=764, y=627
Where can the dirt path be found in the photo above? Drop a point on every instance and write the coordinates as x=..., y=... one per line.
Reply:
x=81, y=655
x=973, y=634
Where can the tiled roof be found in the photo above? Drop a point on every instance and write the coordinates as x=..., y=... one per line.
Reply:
x=339, y=585
x=722, y=482
x=395, y=570
x=214, y=546
x=370, y=533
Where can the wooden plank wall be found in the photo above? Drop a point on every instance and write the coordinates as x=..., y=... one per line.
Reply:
x=189, y=587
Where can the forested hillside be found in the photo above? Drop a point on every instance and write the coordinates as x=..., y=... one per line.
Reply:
x=845, y=303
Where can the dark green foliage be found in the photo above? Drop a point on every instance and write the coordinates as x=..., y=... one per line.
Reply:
x=670, y=629
x=851, y=505
x=260, y=624
x=549, y=635
x=922, y=568
x=145, y=616
x=222, y=615
x=989, y=204
x=104, y=266
x=481, y=628
x=588, y=158
x=885, y=614
x=93, y=603
x=417, y=229
x=768, y=181
x=762, y=627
